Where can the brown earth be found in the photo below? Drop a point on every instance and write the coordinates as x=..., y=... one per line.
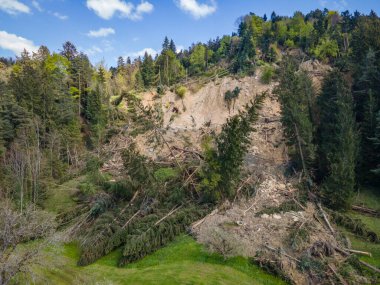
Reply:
x=187, y=121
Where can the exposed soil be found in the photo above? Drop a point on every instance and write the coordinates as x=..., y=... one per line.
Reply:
x=187, y=121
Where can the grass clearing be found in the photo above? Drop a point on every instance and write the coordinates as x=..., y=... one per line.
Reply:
x=59, y=196
x=182, y=262
x=368, y=197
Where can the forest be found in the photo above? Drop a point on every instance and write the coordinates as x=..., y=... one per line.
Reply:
x=60, y=116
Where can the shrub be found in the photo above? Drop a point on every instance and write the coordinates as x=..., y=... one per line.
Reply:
x=161, y=89
x=267, y=75
x=120, y=189
x=165, y=174
x=181, y=91
x=222, y=242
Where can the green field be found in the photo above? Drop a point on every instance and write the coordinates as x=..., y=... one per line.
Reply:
x=368, y=198
x=182, y=262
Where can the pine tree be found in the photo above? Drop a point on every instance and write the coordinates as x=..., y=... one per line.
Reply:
x=367, y=100
x=165, y=44
x=69, y=51
x=172, y=47
x=376, y=147
x=147, y=71
x=297, y=98
x=120, y=63
x=337, y=142
x=223, y=164
x=247, y=50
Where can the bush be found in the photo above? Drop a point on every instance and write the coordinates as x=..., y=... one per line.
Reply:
x=93, y=163
x=120, y=189
x=267, y=75
x=222, y=242
x=161, y=89
x=181, y=91
x=165, y=174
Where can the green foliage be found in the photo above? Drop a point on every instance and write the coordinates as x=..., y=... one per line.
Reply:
x=158, y=235
x=148, y=71
x=337, y=142
x=170, y=69
x=299, y=236
x=356, y=226
x=286, y=206
x=161, y=89
x=231, y=96
x=165, y=174
x=326, y=49
x=267, y=75
x=223, y=164
x=376, y=146
x=197, y=59
x=297, y=97
x=120, y=189
x=180, y=91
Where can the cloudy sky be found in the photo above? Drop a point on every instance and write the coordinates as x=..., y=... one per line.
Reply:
x=106, y=29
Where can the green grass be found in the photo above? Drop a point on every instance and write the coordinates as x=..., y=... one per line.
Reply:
x=371, y=199
x=182, y=262
x=59, y=196
x=368, y=197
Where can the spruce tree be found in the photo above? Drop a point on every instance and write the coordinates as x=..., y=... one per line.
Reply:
x=297, y=97
x=165, y=44
x=367, y=100
x=147, y=71
x=337, y=142
x=172, y=46
x=376, y=147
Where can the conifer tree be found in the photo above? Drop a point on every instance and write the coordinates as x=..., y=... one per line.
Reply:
x=147, y=71
x=376, y=147
x=367, y=100
x=172, y=46
x=296, y=94
x=165, y=44
x=337, y=142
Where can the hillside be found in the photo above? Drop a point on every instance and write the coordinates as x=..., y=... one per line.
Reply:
x=252, y=158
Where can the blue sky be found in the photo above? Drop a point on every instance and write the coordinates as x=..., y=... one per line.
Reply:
x=106, y=29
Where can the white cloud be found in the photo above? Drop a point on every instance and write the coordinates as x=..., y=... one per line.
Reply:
x=143, y=8
x=13, y=7
x=102, y=32
x=60, y=16
x=180, y=48
x=142, y=52
x=93, y=50
x=106, y=9
x=335, y=5
x=37, y=5
x=15, y=43
x=197, y=10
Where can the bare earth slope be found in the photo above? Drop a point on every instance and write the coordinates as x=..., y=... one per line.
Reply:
x=187, y=121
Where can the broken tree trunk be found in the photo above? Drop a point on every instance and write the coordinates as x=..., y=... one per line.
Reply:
x=325, y=218
x=366, y=210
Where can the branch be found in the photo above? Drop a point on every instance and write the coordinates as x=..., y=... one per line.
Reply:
x=325, y=218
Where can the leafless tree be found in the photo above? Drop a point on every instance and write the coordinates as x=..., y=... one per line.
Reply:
x=222, y=242
x=16, y=229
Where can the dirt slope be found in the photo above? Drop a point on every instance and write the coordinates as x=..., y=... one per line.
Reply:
x=187, y=121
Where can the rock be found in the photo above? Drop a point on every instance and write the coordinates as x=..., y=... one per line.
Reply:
x=277, y=217
x=264, y=216
x=281, y=186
